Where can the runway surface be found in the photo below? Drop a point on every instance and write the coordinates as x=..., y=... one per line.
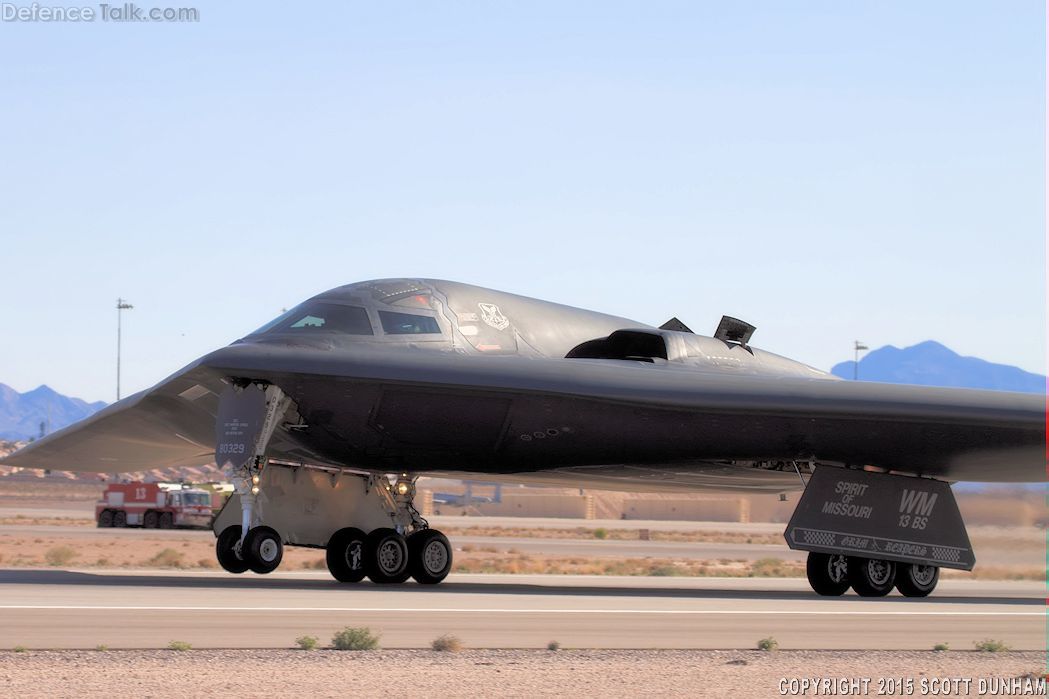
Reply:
x=82, y=609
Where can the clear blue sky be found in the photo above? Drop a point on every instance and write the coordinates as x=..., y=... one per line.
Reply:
x=825, y=170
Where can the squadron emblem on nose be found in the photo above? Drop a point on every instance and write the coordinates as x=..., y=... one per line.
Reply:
x=492, y=316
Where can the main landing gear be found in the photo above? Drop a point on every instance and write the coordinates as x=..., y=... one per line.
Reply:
x=387, y=557
x=831, y=575
x=383, y=555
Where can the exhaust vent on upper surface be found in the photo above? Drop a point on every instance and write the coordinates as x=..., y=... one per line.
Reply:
x=734, y=330
x=637, y=345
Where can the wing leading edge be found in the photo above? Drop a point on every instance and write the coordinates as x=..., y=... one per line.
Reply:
x=620, y=413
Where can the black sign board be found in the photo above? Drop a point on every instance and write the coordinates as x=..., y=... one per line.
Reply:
x=876, y=515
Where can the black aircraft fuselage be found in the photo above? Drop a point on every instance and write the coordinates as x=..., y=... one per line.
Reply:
x=432, y=376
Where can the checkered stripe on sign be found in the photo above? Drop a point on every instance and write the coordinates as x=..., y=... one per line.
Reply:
x=818, y=538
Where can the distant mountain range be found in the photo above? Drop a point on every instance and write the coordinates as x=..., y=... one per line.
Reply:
x=931, y=364
x=925, y=364
x=22, y=414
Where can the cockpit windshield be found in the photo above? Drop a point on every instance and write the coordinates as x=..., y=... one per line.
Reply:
x=319, y=317
x=408, y=324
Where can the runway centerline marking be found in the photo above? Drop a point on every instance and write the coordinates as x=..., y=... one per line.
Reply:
x=488, y=610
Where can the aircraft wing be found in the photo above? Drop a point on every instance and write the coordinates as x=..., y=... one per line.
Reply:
x=439, y=411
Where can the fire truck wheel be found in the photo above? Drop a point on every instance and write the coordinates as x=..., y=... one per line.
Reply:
x=345, y=555
x=120, y=518
x=262, y=549
x=166, y=520
x=149, y=521
x=225, y=550
x=430, y=556
x=386, y=556
x=105, y=518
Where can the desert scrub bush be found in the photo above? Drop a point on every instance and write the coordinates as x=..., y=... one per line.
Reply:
x=179, y=645
x=447, y=644
x=941, y=647
x=167, y=558
x=101, y=647
x=989, y=645
x=768, y=644
x=19, y=649
x=60, y=555
x=600, y=533
x=306, y=642
x=355, y=638
x=553, y=645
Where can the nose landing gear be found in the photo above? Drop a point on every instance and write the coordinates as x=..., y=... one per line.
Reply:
x=227, y=550
x=262, y=549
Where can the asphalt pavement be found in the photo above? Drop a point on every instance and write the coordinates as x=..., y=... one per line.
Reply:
x=81, y=609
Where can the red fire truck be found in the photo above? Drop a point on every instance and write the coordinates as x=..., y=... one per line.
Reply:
x=154, y=506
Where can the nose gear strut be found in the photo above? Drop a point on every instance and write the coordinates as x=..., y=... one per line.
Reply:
x=249, y=413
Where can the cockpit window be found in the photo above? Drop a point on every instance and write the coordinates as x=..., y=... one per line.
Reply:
x=321, y=318
x=407, y=324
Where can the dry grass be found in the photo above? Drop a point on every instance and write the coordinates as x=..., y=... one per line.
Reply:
x=60, y=555
x=167, y=558
x=197, y=551
x=46, y=521
x=526, y=564
x=996, y=573
x=616, y=534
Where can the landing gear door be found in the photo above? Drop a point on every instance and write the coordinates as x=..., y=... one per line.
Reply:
x=876, y=515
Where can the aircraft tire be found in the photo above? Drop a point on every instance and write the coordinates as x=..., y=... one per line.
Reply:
x=166, y=521
x=105, y=518
x=226, y=553
x=120, y=518
x=262, y=549
x=429, y=556
x=914, y=580
x=346, y=555
x=386, y=556
x=828, y=573
x=149, y=520
x=871, y=577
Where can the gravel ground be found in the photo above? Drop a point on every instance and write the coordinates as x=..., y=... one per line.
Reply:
x=497, y=673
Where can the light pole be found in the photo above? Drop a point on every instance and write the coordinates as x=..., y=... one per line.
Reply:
x=856, y=362
x=122, y=306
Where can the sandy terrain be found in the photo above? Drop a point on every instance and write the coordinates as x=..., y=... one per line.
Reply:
x=491, y=673
x=34, y=541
